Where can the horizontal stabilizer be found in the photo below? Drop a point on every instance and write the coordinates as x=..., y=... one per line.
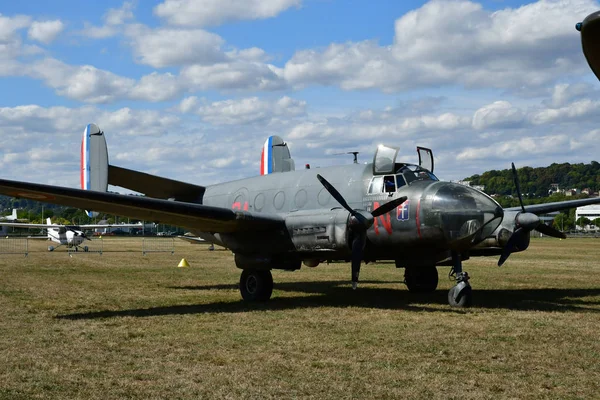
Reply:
x=155, y=186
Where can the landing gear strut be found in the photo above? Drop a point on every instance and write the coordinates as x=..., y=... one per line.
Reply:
x=256, y=284
x=460, y=295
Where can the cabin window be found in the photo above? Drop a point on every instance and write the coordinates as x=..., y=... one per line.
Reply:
x=376, y=185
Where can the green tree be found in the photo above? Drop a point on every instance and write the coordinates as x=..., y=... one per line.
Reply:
x=583, y=221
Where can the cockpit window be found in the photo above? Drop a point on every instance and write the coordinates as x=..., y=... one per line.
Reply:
x=415, y=173
x=388, y=184
x=400, y=181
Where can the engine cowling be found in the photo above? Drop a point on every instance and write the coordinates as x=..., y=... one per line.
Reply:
x=314, y=231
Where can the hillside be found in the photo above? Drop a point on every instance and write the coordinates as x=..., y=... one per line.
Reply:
x=536, y=182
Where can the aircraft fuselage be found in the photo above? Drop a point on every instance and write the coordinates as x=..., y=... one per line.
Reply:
x=436, y=217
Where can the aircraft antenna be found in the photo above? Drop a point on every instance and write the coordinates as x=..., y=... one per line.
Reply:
x=354, y=153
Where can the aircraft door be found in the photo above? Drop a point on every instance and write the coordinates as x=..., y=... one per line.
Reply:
x=384, y=160
x=425, y=158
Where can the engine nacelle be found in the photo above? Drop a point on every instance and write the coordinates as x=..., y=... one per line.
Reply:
x=313, y=230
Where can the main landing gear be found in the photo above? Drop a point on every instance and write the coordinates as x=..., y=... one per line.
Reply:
x=421, y=279
x=256, y=284
x=460, y=295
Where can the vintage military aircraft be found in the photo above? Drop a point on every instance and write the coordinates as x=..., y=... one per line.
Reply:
x=385, y=210
x=71, y=236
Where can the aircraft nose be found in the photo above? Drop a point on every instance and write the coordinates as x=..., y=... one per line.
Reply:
x=467, y=216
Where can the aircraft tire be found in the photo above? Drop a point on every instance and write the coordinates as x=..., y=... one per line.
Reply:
x=50, y=248
x=464, y=300
x=86, y=249
x=256, y=284
x=421, y=280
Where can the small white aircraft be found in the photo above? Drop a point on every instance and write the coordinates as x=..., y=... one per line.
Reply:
x=12, y=217
x=71, y=236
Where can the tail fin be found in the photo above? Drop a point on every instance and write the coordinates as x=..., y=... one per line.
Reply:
x=275, y=156
x=14, y=214
x=48, y=221
x=94, y=161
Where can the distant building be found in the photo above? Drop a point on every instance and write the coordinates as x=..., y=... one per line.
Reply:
x=572, y=192
x=590, y=212
x=553, y=189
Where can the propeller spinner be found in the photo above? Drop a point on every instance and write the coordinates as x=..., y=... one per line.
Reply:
x=358, y=223
x=525, y=222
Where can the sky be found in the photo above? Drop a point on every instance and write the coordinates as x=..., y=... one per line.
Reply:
x=191, y=89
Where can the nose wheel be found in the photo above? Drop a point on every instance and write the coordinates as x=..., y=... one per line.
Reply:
x=461, y=294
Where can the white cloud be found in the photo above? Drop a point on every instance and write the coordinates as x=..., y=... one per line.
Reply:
x=45, y=31
x=216, y=12
x=10, y=25
x=249, y=111
x=175, y=47
x=157, y=87
x=564, y=92
x=500, y=114
x=113, y=19
x=233, y=75
x=455, y=42
x=118, y=16
x=85, y=83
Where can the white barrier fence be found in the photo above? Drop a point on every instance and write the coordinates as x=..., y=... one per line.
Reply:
x=156, y=245
x=12, y=245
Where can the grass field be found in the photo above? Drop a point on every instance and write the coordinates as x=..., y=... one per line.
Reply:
x=123, y=325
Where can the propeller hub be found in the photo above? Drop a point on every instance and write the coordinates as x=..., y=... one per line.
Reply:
x=527, y=221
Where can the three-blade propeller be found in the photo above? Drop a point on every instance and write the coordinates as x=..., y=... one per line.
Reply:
x=359, y=222
x=525, y=222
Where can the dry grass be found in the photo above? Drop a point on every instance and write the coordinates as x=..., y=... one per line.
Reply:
x=123, y=325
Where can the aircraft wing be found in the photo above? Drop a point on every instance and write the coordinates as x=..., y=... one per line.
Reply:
x=193, y=216
x=24, y=225
x=192, y=239
x=556, y=206
x=100, y=226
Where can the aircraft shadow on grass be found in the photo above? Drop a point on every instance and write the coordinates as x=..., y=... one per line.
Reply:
x=336, y=294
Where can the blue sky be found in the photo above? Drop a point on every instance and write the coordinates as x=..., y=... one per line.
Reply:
x=190, y=89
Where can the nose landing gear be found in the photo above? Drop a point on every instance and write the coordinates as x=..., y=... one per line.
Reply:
x=460, y=295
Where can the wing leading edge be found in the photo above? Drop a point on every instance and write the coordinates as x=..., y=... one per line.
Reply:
x=193, y=216
x=556, y=206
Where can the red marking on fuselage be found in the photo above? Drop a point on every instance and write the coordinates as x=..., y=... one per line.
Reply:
x=418, y=221
x=385, y=220
x=238, y=206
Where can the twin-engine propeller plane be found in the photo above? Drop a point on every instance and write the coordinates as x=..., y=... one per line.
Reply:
x=71, y=236
x=385, y=210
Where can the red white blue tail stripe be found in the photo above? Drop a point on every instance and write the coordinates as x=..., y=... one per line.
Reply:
x=266, y=158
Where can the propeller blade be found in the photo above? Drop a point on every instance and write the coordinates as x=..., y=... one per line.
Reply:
x=389, y=206
x=516, y=179
x=335, y=194
x=550, y=231
x=358, y=246
x=510, y=245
